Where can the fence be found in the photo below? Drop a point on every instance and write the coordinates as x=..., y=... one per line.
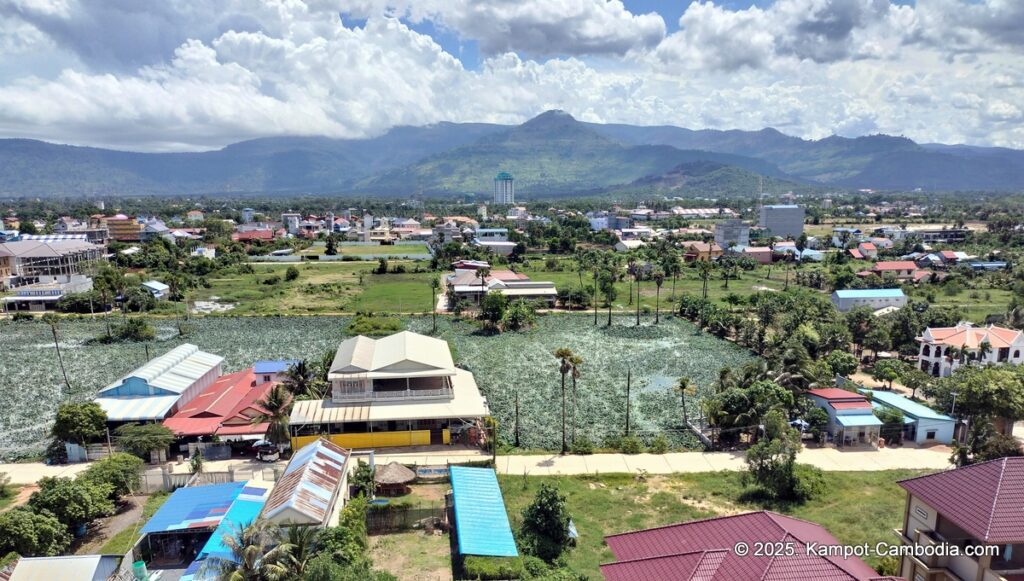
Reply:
x=398, y=518
x=158, y=479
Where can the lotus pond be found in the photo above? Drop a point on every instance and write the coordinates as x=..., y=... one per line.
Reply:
x=31, y=384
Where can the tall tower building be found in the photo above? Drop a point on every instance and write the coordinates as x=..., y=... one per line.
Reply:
x=504, y=189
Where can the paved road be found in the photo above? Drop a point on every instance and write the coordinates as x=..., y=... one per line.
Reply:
x=829, y=459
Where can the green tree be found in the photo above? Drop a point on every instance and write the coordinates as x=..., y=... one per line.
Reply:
x=134, y=329
x=888, y=370
x=73, y=502
x=892, y=424
x=141, y=439
x=122, y=472
x=299, y=379
x=363, y=479
x=771, y=463
x=685, y=388
x=304, y=545
x=79, y=423
x=659, y=279
x=841, y=363
x=915, y=379
x=291, y=273
x=878, y=340
x=332, y=246
x=53, y=320
x=32, y=534
x=435, y=285
x=348, y=542
x=545, y=529
x=520, y=314
x=606, y=282
x=278, y=406
x=492, y=307
x=999, y=446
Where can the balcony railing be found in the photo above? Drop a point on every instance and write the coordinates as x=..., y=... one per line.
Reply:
x=394, y=395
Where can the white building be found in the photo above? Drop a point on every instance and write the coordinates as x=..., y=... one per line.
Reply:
x=999, y=344
x=248, y=215
x=785, y=221
x=874, y=299
x=504, y=189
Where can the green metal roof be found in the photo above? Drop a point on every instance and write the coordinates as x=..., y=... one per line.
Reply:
x=503, y=176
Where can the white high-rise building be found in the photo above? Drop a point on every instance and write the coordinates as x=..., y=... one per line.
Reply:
x=784, y=221
x=504, y=189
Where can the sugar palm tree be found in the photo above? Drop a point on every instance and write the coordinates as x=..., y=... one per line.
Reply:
x=482, y=274
x=564, y=357
x=53, y=320
x=704, y=269
x=435, y=284
x=659, y=279
x=576, y=362
x=256, y=555
x=984, y=348
x=685, y=387
x=607, y=284
x=278, y=406
x=637, y=274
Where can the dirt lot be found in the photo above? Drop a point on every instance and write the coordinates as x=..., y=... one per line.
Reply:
x=413, y=555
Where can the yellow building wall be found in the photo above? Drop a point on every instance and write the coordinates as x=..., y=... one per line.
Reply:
x=372, y=440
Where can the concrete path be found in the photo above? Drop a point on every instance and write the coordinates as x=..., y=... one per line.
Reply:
x=829, y=459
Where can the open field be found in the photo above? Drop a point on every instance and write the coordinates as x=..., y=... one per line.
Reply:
x=503, y=364
x=856, y=507
x=412, y=555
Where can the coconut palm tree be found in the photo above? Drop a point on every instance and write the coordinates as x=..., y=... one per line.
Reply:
x=278, y=406
x=984, y=348
x=53, y=320
x=564, y=357
x=704, y=269
x=659, y=279
x=299, y=378
x=576, y=362
x=304, y=544
x=256, y=555
x=435, y=284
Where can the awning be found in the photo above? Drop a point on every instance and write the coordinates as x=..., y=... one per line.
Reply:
x=858, y=421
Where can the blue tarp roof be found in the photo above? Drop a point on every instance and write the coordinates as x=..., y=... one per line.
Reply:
x=480, y=518
x=908, y=406
x=858, y=421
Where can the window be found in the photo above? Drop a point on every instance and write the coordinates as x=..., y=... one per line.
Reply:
x=929, y=435
x=266, y=378
x=926, y=350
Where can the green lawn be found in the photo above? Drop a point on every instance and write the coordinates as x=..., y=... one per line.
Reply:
x=125, y=539
x=857, y=507
x=392, y=249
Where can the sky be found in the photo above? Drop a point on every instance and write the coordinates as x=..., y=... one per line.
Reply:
x=184, y=75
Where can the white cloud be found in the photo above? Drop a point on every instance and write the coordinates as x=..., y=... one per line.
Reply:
x=185, y=74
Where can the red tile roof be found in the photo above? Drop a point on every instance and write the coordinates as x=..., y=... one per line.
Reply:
x=834, y=393
x=889, y=265
x=703, y=550
x=253, y=235
x=224, y=408
x=986, y=500
x=948, y=255
x=856, y=253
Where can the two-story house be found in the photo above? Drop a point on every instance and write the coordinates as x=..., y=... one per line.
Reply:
x=944, y=349
x=965, y=524
x=399, y=390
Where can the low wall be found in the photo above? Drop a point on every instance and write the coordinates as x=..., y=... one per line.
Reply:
x=369, y=440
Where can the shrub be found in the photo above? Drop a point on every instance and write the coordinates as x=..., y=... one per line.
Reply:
x=534, y=566
x=134, y=330
x=545, y=530
x=22, y=316
x=291, y=273
x=141, y=439
x=659, y=445
x=486, y=568
x=347, y=543
x=631, y=445
x=73, y=502
x=612, y=441
x=122, y=472
x=32, y=534
x=272, y=280
x=365, y=324
x=582, y=446
x=808, y=482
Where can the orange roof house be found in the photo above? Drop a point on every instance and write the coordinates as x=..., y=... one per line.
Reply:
x=225, y=408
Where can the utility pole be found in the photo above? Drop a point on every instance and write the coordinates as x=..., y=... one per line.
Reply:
x=517, y=419
x=110, y=448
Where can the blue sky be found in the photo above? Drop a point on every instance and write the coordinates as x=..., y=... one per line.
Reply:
x=184, y=75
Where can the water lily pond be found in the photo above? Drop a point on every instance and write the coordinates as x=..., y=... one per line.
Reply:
x=656, y=356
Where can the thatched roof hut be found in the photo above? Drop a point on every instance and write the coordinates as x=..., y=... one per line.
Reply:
x=393, y=478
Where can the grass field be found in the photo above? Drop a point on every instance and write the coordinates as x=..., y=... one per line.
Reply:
x=390, y=249
x=856, y=507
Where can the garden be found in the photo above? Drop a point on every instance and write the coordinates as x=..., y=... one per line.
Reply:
x=504, y=364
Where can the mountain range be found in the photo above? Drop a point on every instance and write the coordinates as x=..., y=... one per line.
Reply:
x=551, y=154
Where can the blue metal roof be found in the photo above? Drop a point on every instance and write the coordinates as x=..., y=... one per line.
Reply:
x=194, y=507
x=480, y=518
x=907, y=406
x=273, y=366
x=244, y=510
x=869, y=293
x=858, y=421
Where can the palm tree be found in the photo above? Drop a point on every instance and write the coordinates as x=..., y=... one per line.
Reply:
x=256, y=554
x=685, y=388
x=278, y=406
x=576, y=362
x=637, y=274
x=435, y=284
x=659, y=279
x=482, y=274
x=564, y=357
x=299, y=378
x=984, y=348
x=53, y=320
x=704, y=268
x=631, y=270
x=305, y=544
x=607, y=284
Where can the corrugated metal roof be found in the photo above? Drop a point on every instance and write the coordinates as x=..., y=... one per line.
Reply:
x=363, y=354
x=869, y=293
x=137, y=408
x=70, y=568
x=858, y=420
x=194, y=507
x=481, y=522
x=905, y=405
x=175, y=370
x=310, y=485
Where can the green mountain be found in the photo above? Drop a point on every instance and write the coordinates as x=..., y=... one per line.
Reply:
x=549, y=154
